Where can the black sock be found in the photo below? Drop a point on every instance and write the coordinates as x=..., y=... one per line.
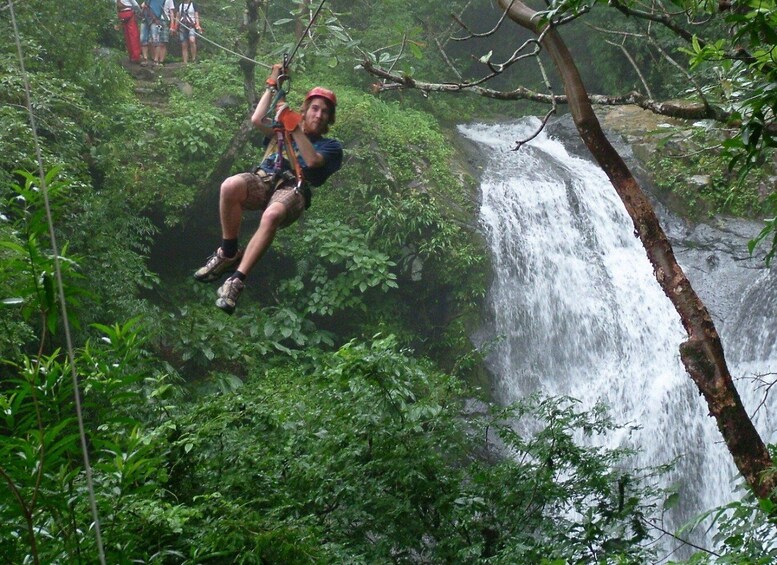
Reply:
x=238, y=275
x=229, y=247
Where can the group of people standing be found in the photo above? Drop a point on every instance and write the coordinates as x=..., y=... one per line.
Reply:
x=158, y=18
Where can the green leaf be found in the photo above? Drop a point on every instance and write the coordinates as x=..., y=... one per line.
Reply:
x=671, y=501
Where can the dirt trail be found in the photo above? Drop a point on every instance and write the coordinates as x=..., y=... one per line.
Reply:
x=153, y=84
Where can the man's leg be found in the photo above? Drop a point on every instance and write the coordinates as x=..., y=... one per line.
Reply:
x=272, y=219
x=232, y=197
x=155, y=31
x=145, y=32
x=132, y=38
x=233, y=194
x=164, y=37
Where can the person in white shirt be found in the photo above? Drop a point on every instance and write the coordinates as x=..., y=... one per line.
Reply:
x=188, y=23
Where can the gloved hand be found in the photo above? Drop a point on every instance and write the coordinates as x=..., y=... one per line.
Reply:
x=276, y=71
x=287, y=117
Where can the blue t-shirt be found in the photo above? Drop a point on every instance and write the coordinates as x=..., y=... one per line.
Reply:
x=156, y=7
x=330, y=149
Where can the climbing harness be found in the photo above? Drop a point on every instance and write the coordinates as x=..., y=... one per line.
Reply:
x=283, y=139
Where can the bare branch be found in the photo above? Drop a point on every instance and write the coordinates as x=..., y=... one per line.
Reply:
x=662, y=19
x=447, y=60
x=674, y=108
x=552, y=111
x=474, y=34
x=515, y=57
x=634, y=65
x=681, y=540
x=569, y=17
x=766, y=386
x=447, y=34
x=401, y=51
x=679, y=67
x=616, y=32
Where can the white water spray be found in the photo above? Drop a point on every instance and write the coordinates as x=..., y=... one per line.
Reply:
x=575, y=310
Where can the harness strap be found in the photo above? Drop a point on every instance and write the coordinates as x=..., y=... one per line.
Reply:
x=282, y=142
x=186, y=16
x=294, y=161
x=283, y=139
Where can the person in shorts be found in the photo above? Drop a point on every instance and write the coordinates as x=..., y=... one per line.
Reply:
x=146, y=30
x=272, y=190
x=188, y=26
x=167, y=22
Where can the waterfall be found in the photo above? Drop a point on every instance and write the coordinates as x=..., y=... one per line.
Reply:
x=574, y=309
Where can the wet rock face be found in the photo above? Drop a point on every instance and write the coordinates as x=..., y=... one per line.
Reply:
x=633, y=122
x=714, y=252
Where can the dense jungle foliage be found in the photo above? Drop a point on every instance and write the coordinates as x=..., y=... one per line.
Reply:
x=338, y=416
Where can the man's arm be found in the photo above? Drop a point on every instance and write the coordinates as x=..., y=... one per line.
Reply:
x=313, y=159
x=260, y=118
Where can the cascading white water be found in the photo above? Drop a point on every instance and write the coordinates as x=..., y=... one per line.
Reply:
x=575, y=309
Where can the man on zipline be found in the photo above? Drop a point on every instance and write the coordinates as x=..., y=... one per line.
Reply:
x=279, y=186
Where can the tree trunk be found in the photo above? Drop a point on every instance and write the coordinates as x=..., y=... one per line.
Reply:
x=207, y=199
x=702, y=353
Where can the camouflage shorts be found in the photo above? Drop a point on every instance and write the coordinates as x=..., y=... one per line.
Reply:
x=261, y=195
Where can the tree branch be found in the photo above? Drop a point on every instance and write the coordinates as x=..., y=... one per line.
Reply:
x=633, y=64
x=662, y=19
x=472, y=33
x=671, y=108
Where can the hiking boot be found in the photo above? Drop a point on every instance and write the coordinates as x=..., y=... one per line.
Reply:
x=229, y=293
x=217, y=265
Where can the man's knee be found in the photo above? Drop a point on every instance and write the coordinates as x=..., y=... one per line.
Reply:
x=273, y=216
x=234, y=188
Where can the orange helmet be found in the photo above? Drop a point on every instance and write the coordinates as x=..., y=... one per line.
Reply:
x=328, y=95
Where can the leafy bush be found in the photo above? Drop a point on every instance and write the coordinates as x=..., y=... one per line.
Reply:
x=362, y=457
x=744, y=532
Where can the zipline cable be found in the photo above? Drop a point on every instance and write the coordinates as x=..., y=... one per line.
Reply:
x=265, y=65
x=305, y=33
x=61, y=293
x=249, y=59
